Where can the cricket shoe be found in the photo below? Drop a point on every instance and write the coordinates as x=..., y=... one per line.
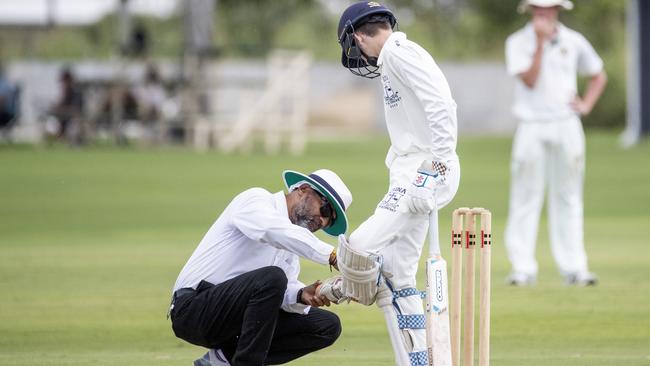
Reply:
x=519, y=279
x=582, y=279
x=213, y=357
x=332, y=289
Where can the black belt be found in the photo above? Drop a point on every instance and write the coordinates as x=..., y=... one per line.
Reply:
x=183, y=291
x=178, y=293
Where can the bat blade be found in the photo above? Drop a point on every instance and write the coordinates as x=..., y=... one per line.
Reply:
x=437, y=313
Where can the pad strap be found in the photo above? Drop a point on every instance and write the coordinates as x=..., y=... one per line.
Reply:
x=419, y=358
x=361, y=273
x=411, y=321
x=406, y=292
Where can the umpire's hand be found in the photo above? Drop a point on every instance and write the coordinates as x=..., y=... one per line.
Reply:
x=309, y=297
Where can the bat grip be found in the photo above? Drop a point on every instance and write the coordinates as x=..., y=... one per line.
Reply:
x=434, y=241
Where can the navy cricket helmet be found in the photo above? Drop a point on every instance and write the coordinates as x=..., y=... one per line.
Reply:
x=353, y=17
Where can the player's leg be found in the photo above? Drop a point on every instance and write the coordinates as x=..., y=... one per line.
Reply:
x=401, y=264
x=399, y=236
x=388, y=226
x=527, y=176
x=245, y=307
x=397, y=296
x=400, y=268
x=404, y=316
x=299, y=334
x=565, y=208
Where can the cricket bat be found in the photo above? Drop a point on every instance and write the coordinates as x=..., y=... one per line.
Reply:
x=437, y=302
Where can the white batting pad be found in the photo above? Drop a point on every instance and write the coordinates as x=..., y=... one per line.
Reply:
x=405, y=322
x=360, y=273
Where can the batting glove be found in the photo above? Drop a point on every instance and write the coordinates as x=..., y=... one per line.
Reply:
x=420, y=197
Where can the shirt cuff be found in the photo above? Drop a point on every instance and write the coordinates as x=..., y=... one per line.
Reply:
x=290, y=304
x=324, y=258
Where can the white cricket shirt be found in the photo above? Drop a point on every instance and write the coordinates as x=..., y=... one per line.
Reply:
x=254, y=231
x=563, y=58
x=419, y=109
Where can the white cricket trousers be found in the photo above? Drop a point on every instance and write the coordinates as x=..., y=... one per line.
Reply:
x=399, y=236
x=547, y=154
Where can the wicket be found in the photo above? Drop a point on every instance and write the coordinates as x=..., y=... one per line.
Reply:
x=467, y=289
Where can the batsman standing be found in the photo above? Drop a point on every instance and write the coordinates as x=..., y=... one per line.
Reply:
x=545, y=57
x=424, y=174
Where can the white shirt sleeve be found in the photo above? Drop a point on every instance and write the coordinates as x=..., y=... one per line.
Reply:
x=432, y=90
x=290, y=302
x=589, y=63
x=517, y=59
x=259, y=220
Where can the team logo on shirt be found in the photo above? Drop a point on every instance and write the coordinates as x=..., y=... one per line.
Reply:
x=392, y=198
x=391, y=96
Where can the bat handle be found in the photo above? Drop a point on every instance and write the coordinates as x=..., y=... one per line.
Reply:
x=434, y=240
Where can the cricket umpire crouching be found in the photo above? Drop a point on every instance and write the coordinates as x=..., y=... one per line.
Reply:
x=239, y=293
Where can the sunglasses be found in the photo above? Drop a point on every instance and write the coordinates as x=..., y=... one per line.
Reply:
x=326, y=209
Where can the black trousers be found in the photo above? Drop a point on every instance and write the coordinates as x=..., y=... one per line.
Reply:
x=242, y=317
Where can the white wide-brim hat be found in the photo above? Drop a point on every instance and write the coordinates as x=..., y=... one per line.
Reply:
x=524, y=5
x=332, y=187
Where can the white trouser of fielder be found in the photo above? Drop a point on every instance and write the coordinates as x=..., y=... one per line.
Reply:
x=547, y=154
x=398, y=236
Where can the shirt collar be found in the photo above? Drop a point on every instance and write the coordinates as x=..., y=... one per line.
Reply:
x=395, y=36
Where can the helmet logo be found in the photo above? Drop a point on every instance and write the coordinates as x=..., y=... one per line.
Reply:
x=373, y=4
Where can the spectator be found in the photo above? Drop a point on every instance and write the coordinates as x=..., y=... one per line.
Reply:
x=7, y=101
x=69, y=108
x=151, y=96
x=138, y=46
x=118, y=108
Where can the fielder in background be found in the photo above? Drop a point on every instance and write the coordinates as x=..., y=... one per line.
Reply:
x=239, y=293
x=424, y=174
x=549, y=144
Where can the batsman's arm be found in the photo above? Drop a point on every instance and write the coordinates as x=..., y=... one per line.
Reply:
x=432, y=91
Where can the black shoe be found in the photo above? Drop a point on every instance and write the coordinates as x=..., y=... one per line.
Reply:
x=520, y=280
x=203, y=361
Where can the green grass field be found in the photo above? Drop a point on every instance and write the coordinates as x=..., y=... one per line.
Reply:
x=91, y=241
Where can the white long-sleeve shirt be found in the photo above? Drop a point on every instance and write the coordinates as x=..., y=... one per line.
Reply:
x=419, y=109
x=254, y=231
